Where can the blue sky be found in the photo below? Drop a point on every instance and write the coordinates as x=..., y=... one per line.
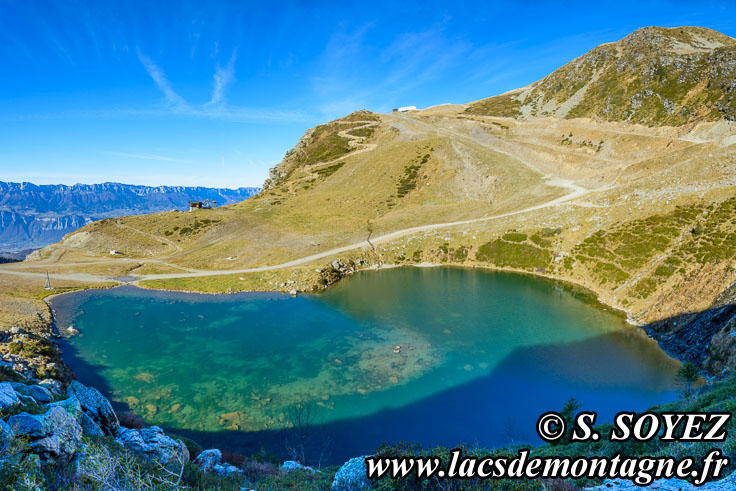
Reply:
x=214, y=93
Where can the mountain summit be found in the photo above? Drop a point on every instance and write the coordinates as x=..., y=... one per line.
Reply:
x=654, y=76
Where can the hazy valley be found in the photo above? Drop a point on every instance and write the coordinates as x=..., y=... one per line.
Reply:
x=33, y=216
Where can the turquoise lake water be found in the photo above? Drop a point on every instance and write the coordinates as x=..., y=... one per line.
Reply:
x=432, y=355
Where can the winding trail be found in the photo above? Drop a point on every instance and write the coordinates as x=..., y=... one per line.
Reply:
x=577, y=192
x=357, y=142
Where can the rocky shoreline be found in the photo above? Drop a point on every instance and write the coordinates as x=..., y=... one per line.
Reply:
x=63, y=427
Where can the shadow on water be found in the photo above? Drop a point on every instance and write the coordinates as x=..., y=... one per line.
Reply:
x=496, y=409
x=689, y=336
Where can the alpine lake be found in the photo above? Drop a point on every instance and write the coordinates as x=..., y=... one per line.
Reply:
x=438, y=356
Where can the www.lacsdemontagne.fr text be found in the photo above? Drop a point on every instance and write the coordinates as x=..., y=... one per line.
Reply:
x=641, y=470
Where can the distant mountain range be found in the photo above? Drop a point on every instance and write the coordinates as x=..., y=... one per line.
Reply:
x=33, y=216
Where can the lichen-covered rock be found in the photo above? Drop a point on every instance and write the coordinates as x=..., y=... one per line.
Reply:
x=73, y=407
x=152, y=443
x=54, y=435
x=225, y=469
x=53, y=386
x=96, y=406
x=352, y=476
x=208, y=459
x=292, y=465
x=89, y=427
x=40, y=394
x=8, y=396
x=70, y=404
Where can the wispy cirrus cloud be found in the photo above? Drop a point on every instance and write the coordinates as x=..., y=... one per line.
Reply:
x=222, y=78
x=216, y=107
x=172, y=98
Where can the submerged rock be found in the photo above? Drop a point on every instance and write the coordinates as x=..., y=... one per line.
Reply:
x=152, y=443
x=95, y=406
x=352, y=476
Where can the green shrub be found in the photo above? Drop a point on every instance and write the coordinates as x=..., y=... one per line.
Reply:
x=514, y=237
x=538, y=240
x=513, y=255
x=329, y=170
x=460, y=255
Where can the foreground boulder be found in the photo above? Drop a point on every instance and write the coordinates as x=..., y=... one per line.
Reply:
x=352, y=476
x=39, y=394
x=209, y=461
x=53, y=386
x=96, y=406
x=152, y=444
x=293, y=465
x=73, y=407
x=54, y=436
x=8, y=396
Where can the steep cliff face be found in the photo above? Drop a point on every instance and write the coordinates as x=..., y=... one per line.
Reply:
x=654, y=76
x=33, y=215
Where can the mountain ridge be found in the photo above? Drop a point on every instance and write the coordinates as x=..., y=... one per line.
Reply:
x=33, y=215
x=654, y=76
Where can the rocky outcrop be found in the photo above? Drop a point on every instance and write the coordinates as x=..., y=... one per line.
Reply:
x=54, y=436
x=152, y=443
x=89, y=427
x=352, y=476
x=706, y=338
x=96, y=406
x=293, y=465
x=337, y=270
x=39, y=393
x=209, y=461
x=8, y=396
